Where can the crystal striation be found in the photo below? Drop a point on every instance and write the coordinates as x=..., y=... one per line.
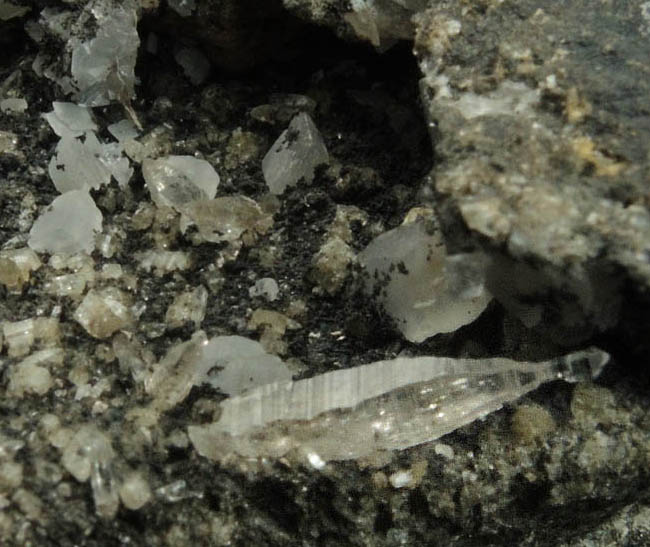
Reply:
x=387, y=405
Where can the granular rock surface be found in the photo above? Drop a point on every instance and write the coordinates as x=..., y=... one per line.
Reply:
x=524, y=125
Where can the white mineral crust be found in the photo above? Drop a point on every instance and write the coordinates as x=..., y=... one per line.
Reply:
x=423, y=289
x=295, y=155
x=68, y=226
x=357, y=412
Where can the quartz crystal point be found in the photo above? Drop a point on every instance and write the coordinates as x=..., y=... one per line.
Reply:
x=174, y=181
x=68, y=226
x=295, y=155
x=424, y=290
x=357, y=412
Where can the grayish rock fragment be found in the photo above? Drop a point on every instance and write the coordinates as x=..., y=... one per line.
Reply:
x=68, y=225
x=195, y=64
x=543, y=147
x=295, y=155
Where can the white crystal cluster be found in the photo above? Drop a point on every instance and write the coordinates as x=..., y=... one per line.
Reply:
x=422, y=288
x=81, y=163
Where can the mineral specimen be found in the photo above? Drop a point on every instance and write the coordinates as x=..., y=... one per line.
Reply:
x=103, y=67
x=175, y=181
x=68, y=226
x=228, y=219
x=187, y=307
x=70, y=119
x=423, y=289
x=102, y=313
x=352, y=413
x=295, y=155
x=16, y=266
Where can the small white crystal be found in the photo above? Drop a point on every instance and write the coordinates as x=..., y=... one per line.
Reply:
x=174, y=181
x=444, y=450
x=163, y=262
x=70, y=120
x=135, y=491
x=187, y=306
x=244, y=363
x=424, y=290
x=16, y=266
x=15, y=105
x=86, y=448
x=123, y=130
x=31, y=374
x=266, y=287
x=226, y=219
x=195, y=64
x=75, y=166
x=102, y=313
x=68, y=225
x=295, y=155
x=20, y=336
x=400, y=479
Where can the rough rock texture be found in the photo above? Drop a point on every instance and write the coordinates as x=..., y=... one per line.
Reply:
x=539, y=115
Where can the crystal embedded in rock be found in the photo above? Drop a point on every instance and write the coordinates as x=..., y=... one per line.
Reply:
x=68, y=226
x=103, y=68
x=174, y=181
x=386, y=405
x=16, y=266
x=187, y=307
x=423, y=289
x=102, y=313
x=226, y=219
x=89, y=455
x=295, y=155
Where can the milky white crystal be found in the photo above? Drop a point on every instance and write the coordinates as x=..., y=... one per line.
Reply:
x=103, y=68
x=68, y=225
x=357, y=412
x=230, y=363
x=295, y=155
x=423, y=289
x=70, y=119
x=14, y=104
x=174, y=181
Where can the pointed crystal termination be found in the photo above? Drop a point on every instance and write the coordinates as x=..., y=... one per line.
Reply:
x=174, y=181
x=387, y=405
x=68, y=226
x=295, y=155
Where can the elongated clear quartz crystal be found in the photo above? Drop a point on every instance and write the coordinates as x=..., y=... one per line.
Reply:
x=387, y=405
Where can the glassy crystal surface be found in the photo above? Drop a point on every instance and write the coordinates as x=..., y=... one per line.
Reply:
x=68, y=226
x=423, y=289
x=70, y=119
x=295, y=155
x=104, y=312
x=387, y=405
x=103, y=68
x=174, y=181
